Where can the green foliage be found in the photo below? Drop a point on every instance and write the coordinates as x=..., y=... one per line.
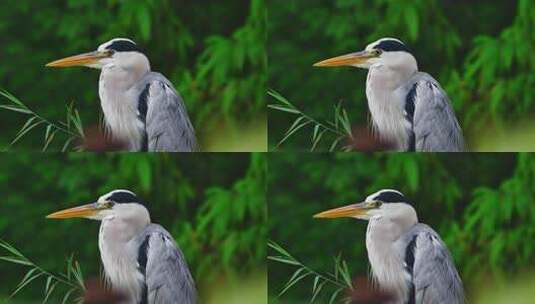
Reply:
x=496, y=224
x=221, y=223
x=212, y=53
x=339, y=279
x=339, y=128
x=480, y=204
x=478, y=51
x=213, y=204
x=71, y=130
x=72, y=280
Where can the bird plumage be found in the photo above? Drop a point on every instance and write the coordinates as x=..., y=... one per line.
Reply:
x=141, y=260
x=432, y=274
x=409, y=109
x=141, y=107
x=160, y=107
x=408, y=259
x=168, y=279
x=142, y=110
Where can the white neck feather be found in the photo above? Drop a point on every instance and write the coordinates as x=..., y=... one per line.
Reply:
x=387, y=105
x=119, y=257
x=386, y=264
x=120, y=104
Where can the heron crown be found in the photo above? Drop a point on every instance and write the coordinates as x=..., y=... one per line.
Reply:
x=122, y=45
x=391, y=45
x=123, y=197
x=390, y=196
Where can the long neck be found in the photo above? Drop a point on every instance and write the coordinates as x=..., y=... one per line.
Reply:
x=385, y=259
x=118, y=256
x=387, y=104
x=120, y=104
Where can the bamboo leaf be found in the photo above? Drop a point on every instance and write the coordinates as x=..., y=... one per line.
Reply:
x=292, y=132
x=279, y=249
x=295, y=123
x=49, y=139
x=345, y=274
x=16, y=109
x=25, y=130
x=67, y=296
x=293, y=282
x=23, y=283
x=50, y=291
x=16, y=260
x=317, y=140
x=280, y=98
x=317, y=291
x=335, y=295
x=283, y=260
x=284, y=109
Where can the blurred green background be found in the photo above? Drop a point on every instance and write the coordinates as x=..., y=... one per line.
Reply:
x=482, y=205
x=480, y=51
x=213, y=53
x=213, y=204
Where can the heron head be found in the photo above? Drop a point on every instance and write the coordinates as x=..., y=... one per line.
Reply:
x=385, y=51
x=121, y=204
x=120, y=52
x=386, y=203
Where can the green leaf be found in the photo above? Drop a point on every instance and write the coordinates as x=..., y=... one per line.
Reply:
x=283, y=108
x=283, y=260
x=292, y=132
x=16, y=260
x=16, y=109
x=27, y=280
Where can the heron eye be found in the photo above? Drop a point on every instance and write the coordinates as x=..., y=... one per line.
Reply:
x=378, y=52
x=378, y=204
x=108, y=204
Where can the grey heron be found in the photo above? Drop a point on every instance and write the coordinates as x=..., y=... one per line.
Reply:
x=141, y=108
x=140, y=259
x=409, y=109
x=408, y=259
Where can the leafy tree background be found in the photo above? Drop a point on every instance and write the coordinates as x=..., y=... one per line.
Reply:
x=480, y=204
x=214, y=54
x=213, y=204
x=480, y=52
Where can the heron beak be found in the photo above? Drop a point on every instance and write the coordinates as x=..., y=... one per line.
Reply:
x=353, y=210
x=352, y=59
x=88, y=210
x=85, y=59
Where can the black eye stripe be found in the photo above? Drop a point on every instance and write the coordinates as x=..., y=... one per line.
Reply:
x=122, y=197
x=391, y=197
x=392, y=46
x=123, y=46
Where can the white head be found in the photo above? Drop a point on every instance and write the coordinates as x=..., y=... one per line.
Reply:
x=119, y=52
x=389, y=52
x=121, y=204
x=387, y=204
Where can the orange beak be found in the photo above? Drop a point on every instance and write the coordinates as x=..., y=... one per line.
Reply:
x=80, y=211
x=78, y=60
x=353, y=210
x=346, y=60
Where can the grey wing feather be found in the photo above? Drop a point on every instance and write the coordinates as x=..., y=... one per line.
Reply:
x=435, y=126
x=434, y=276
x=168, y=126
x=168, y=279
